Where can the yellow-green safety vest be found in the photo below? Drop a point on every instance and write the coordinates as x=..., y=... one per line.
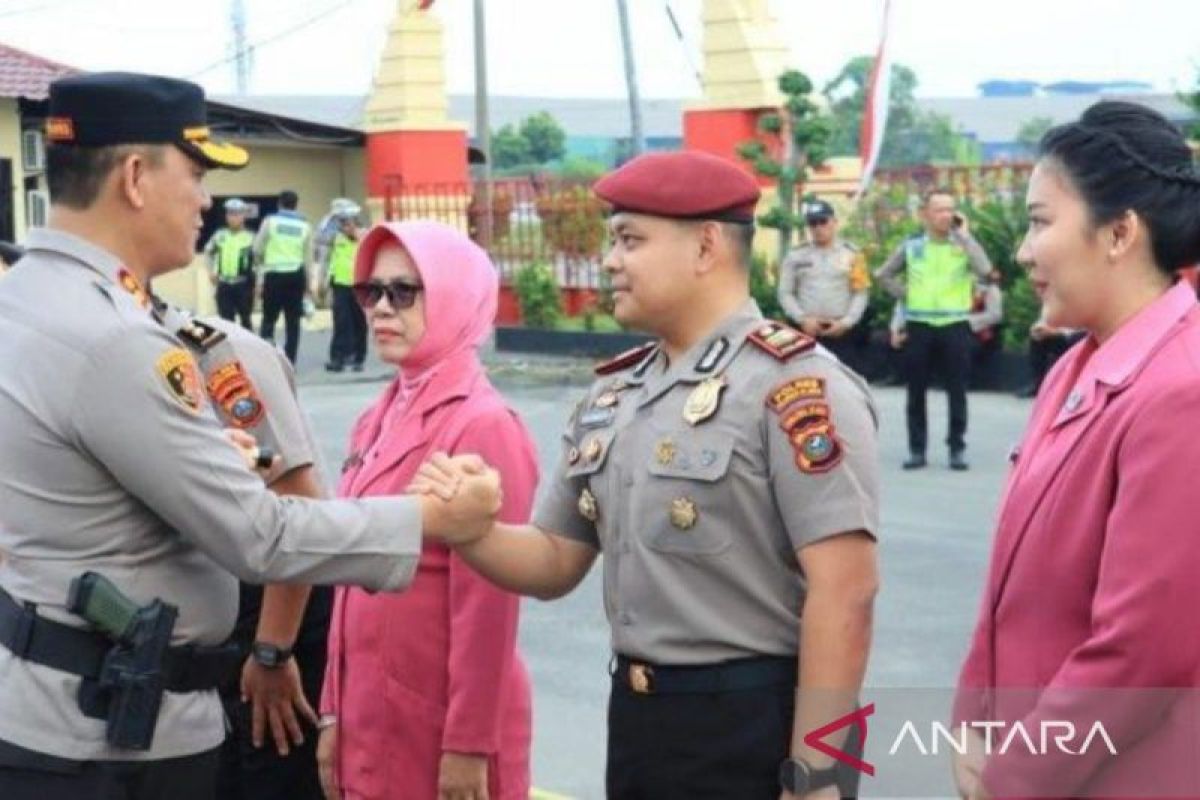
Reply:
x=287, y=235
x=233, y=253
x=939, y=281
x=341, y=260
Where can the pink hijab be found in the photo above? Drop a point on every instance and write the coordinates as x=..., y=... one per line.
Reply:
x=460, y=296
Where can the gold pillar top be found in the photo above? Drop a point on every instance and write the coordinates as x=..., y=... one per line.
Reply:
x=409, y=89
x=744, y=54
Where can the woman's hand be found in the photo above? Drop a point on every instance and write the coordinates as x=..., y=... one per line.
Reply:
x=463, y=776
x=327, y=762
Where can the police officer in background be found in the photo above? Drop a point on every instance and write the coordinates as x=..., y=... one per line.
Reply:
x=727, y=472
x=116, y=463
x=231, y=264
x=281, y=250
x=934, y=274
x=823, y=286
x=348, y=346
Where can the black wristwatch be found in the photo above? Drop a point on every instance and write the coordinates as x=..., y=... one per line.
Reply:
x=797, y=777
x=268, y=655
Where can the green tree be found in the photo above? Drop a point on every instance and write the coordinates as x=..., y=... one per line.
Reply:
x=913, y=136
x=510, y=148
x=1192, y=99
x=1032, y=130
x=804, y=130
x=546, y=138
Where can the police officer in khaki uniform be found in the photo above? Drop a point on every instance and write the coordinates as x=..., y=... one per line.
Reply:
x=281, y=630
x=728, y=474
x=823, y=286
x=115, y=463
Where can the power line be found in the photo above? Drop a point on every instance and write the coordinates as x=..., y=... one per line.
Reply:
x=273, y=39
x=687, y=53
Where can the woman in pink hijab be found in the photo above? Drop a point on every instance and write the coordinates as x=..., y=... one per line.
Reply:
x=425, y=694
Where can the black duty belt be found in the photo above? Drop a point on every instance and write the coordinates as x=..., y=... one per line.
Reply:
x=728, y=676
x=190, y=668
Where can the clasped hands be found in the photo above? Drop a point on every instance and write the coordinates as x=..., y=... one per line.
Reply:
x=460, y=498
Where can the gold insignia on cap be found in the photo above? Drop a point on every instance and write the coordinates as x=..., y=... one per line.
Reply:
x=704, y=400
x=587, y=506
x=664, y=452
x=684, y=513
x=192, y=134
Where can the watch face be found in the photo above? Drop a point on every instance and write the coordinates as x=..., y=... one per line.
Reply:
x=269, y=655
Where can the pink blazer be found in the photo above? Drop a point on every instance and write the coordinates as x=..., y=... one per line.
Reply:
x=434, y=668
x=1094, y=583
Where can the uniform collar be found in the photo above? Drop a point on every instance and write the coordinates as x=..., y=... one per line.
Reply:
x=91, y=256
x=708, y=357
x=76, y=248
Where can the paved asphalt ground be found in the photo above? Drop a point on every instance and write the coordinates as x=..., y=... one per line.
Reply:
x=933, y=550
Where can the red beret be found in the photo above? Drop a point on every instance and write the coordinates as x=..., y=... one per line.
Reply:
x=687, y=185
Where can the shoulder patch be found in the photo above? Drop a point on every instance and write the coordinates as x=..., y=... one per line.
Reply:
x=231, y=389
x=781, y=341
x=182, y=378
x=625, y=360
x=200, y=336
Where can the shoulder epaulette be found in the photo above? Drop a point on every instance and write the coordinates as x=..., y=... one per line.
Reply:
x=781, y=341
x=625, y=360
x=200, y=336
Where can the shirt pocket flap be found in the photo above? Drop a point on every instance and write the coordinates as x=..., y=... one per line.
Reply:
x=695, y=457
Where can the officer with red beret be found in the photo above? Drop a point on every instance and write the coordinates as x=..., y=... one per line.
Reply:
x=727, y=471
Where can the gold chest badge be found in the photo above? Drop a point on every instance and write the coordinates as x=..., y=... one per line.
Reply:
x=684, y=513
x=704, y=400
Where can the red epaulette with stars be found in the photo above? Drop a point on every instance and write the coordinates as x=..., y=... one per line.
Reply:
x=625, y=360
x=781, y=341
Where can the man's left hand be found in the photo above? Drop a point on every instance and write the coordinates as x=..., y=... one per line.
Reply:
x=835, y=330
x=276, y=694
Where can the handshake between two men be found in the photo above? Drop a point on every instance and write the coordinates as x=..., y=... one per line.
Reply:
x=460, y=498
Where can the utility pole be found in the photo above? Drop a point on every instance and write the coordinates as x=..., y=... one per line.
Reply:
x=635, y=104
x=483, y=127
x=241, y=51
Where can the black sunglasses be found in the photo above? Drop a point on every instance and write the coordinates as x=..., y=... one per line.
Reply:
x=816, y=222
x=400, y=294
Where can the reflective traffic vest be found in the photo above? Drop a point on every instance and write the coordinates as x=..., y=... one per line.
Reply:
x=341, y=260
x=287, y=237
x=233, y=253
x=939, y=280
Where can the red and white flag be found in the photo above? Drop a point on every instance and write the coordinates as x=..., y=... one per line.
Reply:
x=875, y=111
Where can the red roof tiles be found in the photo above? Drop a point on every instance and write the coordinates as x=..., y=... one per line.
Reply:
x=26, y=75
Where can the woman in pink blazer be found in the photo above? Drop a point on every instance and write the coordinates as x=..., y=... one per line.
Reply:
x=425, y=695
x=1089, y=614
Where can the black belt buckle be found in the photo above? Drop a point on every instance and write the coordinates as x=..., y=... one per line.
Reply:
x=640, y=678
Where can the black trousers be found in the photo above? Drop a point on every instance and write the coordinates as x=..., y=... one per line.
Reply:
x=260, y=773
x=284, y=292
x=25, y=775
x=234, y=301
x=849, y=346
x=947, y=350
x=349, y=342
x=720, y=746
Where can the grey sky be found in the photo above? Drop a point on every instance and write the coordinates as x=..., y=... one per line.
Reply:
x=571, y=47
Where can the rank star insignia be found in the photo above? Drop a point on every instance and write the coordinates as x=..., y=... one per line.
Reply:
x=683, y=513
x=587, y=506
x=664, y=452
x=704, y=400
x=593, y=450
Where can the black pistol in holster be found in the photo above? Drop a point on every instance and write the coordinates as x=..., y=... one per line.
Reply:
x=129, y=690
